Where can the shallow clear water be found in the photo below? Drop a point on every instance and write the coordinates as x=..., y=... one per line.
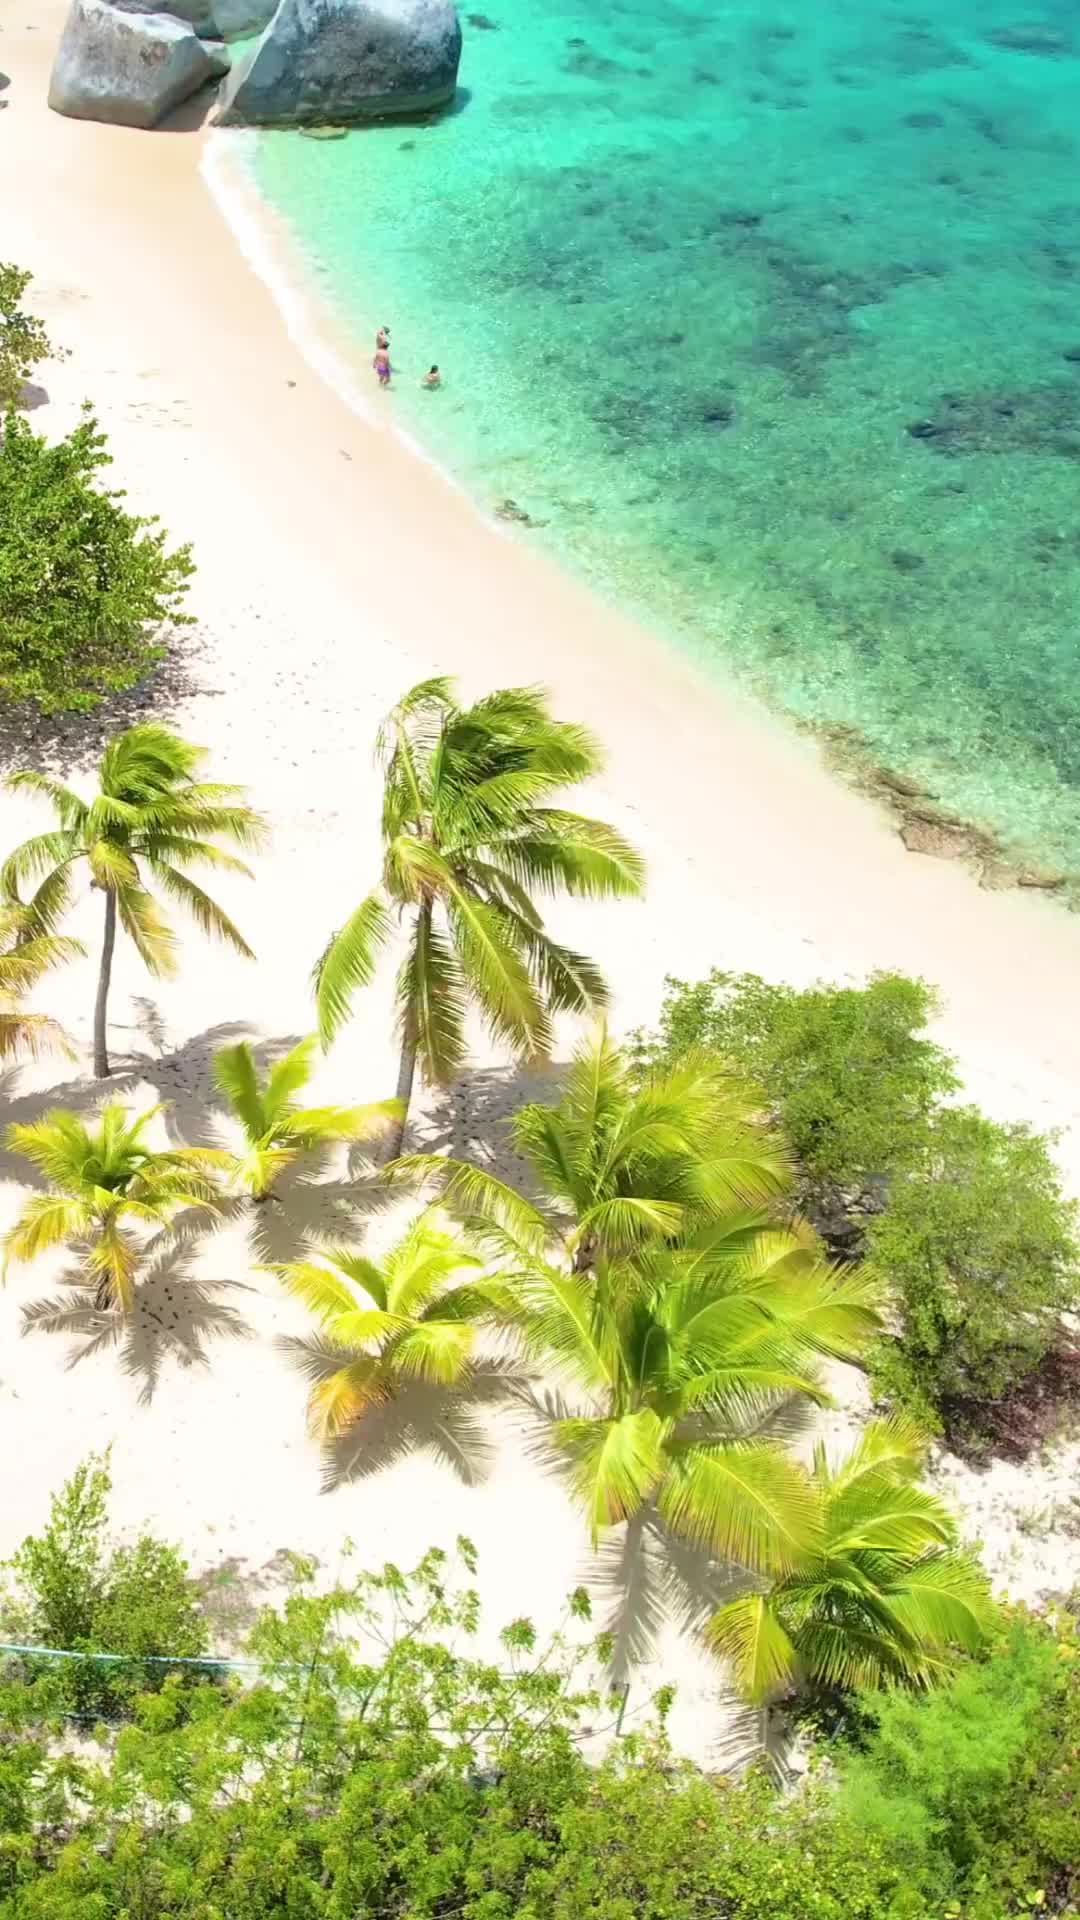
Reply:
x=693, y=273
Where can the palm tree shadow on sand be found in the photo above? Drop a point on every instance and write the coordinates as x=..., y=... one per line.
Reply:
x=175, y=1317
x=645, y=1576
x=448, y=1422
x=305, y=1208
x=470, y=1120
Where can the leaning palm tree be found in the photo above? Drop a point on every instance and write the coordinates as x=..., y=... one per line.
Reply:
x=385, y=1323
x=29, y=949
x=277, y=1131
x=622, y=1162
x=149, y=821
x=469, y=841
x=888, y=1597
x=677, y=1360
x=104, y=1179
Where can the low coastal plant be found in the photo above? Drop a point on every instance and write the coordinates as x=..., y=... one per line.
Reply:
x=409, y=1317
x=150, y=820
x=277, y=1130
x=103, y=1180
x=978, y=1248
x=850, y=1073
x=24, y=343
x=888, y=1598
x=470, y=838
x=73, y=1587
x=374, y=1757
x=86, y=588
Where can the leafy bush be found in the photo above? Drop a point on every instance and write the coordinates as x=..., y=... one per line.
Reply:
x=849, y=1070
x=973, y=1790
x=85, y=586
x=24, y=342
x=379, y=1766
x=75, y=1589
x=963, y=1220
x=979, y=1249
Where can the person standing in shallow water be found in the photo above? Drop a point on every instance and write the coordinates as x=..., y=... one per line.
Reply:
x=381, y=364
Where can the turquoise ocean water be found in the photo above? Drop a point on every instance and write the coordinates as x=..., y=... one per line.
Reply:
x=769, y=318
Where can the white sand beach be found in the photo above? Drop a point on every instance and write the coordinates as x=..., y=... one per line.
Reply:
x=335, y=568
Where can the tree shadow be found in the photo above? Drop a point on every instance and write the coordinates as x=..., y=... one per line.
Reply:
x=471, y=1119
x=67, y=743
x=445, y=1421
x=174, y=1317
x=304, y=1211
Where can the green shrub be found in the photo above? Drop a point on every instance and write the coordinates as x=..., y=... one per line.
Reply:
x=978, y=1248
x=24, y=342
x=75, y=1589
x=971, y=1791
x=849, y=1071
x=85, y=586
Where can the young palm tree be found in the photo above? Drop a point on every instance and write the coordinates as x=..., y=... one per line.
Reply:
x=385, y=1323
x=622, y=1162
x=29, y=949
x=276, y=1130
x=889, y=1597
x=102, y=1179
x=469, y=840
x=680, y=1356
x=149, y=821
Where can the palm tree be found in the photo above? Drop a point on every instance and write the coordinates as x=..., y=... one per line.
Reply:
x=149, y=820
x=623, y=1162
x=679, y=1358
x=888, y=1597
x=29, y=949
x=386, y=1323
x=468, y=840
x=102, y=1178
x=276, y=1130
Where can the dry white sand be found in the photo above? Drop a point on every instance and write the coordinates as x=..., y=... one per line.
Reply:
x=334, y=569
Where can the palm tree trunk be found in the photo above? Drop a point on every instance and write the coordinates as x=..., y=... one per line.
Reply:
x=101, y=1051
x=406, y=1073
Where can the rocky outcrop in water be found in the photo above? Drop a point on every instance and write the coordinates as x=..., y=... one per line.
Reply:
x=340, y=62
x=128, y=66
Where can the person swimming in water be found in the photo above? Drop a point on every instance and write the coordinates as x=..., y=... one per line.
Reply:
x=381, y=364
x=432, y=378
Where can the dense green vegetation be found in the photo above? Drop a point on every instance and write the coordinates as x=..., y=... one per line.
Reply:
x=85, y=587
x=377, y=1758
x=24, y=343
x=961, y=1219
x=74, y=1586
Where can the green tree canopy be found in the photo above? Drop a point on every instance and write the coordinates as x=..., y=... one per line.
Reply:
x=470, y=838
x=86, y=587
x=150, y=820
x=103, y=1179
x=849, y=1071
x=621, y=1162
x=277, y=1129
x=888, y=1598
x=24, y=342
x=978, y=1248
x=382, y=1323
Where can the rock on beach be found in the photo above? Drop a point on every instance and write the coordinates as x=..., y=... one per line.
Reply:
x=340, y=62
x=127, y=66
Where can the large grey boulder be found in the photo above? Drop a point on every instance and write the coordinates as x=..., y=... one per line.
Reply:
x=126, y=66
x=234, y=18
x=337, y=62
